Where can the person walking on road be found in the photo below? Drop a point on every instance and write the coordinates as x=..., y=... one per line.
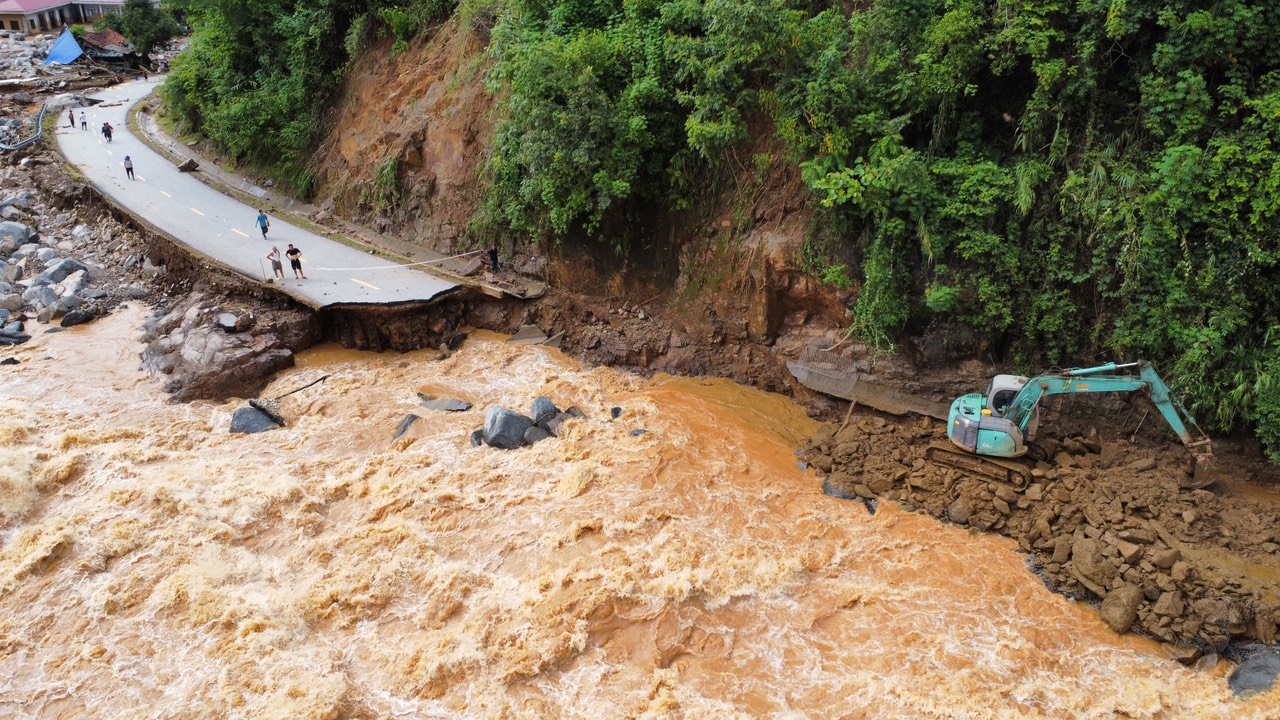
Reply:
x=295, y=261
x=106, y=131
x=84, y=122
x=263, y=223
x=274, y=257
x=71, y=119
x=128, y=167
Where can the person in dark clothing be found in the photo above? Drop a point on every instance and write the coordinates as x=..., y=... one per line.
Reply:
x=71, y=119
x=106, y=131
x=128, y=167
x=295, y=261
x=493, y=256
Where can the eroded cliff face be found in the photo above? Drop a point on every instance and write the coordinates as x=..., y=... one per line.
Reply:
x=716, y=291
x=423, y=113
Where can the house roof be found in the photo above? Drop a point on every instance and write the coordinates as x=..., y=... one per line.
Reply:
x=22, y=7
x=108, y=40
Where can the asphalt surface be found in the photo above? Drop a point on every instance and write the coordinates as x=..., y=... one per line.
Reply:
x=222, y=227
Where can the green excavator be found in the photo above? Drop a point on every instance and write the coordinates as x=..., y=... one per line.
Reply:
x=992, y=429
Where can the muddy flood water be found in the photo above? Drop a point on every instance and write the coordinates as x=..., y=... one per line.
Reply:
x=154, y=565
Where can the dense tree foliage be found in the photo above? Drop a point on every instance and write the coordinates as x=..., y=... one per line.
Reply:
x=1075, y=178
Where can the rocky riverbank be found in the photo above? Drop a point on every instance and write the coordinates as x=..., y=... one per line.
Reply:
x=1105, y=521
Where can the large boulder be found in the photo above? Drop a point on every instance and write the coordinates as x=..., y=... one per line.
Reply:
x=250, y=420
x=1255, y=675
x=78, y=317
x=1090, y=566
x=74, y=283
x=40, y=296
x=505, y=428
x=12, y=303
x=60, y=270
x=21, y=234
x=1120, y=607
x=12, y=337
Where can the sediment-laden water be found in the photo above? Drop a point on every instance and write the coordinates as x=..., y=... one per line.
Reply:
x=153, y=565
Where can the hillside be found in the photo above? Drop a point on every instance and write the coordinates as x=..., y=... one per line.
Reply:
x=1043, y=183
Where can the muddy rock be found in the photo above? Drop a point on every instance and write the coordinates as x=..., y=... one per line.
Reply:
x=249, y=421
x=1255, y=675
x=1120, y=607
x=505, y=428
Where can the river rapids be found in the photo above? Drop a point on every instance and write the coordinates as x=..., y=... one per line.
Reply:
x=154, y=565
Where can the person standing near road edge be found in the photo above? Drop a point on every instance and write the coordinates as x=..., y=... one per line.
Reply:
x=128, y=167
x=263, y=222
x=274, y=257
x=71, y=119
x=84, y=121
x=295, y=261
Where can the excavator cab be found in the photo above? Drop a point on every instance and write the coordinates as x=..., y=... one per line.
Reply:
x=1003, y=389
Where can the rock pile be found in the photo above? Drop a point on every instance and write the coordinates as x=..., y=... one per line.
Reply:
x=212, y=351
x=507, y=429
x=19, y=53
x=1104, y=520
x=39, y=277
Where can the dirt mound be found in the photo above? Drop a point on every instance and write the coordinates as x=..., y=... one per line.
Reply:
x=1103, y=520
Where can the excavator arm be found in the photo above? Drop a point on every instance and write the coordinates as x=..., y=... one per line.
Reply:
x=1102, y=379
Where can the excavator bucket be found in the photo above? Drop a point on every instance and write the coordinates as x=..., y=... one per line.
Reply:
x=1203, y=473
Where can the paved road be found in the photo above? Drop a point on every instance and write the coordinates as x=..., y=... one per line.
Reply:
x=222, y=227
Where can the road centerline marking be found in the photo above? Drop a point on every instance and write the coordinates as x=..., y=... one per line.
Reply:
x=238, y=232
x=165, y=194
x=197, y=212
x=375, y=287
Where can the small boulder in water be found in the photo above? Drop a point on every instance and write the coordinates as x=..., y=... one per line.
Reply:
x=615, y=412
x=505, y=428
x=405, y=424
x=535, y=434
x=543, y=410
x=477, y=438
x=78, y=317
x=443, y=405
x=1255, y=675
x=248, y=421
x=835, y=491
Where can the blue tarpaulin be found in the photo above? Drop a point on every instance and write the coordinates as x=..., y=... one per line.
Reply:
x=65, y=50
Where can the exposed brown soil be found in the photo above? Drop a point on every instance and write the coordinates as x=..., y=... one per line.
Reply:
x=1105, y=521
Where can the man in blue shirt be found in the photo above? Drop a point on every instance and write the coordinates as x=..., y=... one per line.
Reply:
x=263, y=223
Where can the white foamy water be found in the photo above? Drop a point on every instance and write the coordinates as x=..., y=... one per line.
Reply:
x=153, y=565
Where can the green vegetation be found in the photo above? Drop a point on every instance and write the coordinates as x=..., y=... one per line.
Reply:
x=1096, y=177
x=146, y=27
x=259, y=74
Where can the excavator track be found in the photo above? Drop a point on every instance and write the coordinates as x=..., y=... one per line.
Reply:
x=1001, y=470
